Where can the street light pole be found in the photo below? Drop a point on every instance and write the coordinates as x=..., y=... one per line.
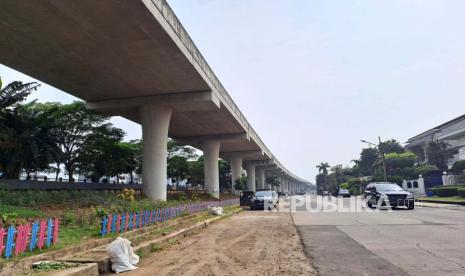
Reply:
x=380, y=148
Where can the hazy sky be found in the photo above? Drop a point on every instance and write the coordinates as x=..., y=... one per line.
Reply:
x=314, y=77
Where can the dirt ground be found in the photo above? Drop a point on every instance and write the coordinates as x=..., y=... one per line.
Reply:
x=250, y=243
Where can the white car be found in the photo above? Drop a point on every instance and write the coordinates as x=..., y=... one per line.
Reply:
x=344, y=193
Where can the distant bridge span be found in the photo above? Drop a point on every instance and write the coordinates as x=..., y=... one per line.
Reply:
x=134, y=59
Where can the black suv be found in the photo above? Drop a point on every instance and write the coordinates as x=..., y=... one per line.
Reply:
x=264, y=199
x=388, y=194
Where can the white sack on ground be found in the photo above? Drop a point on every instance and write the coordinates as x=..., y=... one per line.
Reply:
x=217, y=211
x=122, y=256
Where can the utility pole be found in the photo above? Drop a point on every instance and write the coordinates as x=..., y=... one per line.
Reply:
x=384, y=159
x=381, y=150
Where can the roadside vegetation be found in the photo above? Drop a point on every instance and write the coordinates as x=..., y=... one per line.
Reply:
x=54, y=138
x=400, y=165
x=80, y=212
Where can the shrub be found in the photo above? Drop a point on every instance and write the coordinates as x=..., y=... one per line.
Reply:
x=68, y=218
x=461, y=192
x=127, y=194
x=425, y=170
x=444, y=191
x=400, y=160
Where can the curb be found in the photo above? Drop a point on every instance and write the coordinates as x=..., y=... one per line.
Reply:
x=90, y=269
x=441, y=202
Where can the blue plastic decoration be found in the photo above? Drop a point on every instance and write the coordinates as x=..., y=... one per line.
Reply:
x=10, y=241
x=35, y=230
x=48, y=242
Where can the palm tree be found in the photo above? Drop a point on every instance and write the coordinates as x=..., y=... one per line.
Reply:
x=323, y=170
x=23, y=139
x=15, y=93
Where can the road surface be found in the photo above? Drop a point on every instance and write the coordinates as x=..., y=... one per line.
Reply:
x=424, y=241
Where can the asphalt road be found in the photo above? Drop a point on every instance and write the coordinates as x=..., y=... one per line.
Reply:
x=424, y=241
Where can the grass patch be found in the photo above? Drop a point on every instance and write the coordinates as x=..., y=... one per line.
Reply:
x=155, y=248
x=9, y=214
x=80, y=213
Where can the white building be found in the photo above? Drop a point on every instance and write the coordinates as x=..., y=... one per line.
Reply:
x=451, y=132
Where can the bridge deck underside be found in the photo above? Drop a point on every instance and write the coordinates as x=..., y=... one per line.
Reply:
x=100, y=50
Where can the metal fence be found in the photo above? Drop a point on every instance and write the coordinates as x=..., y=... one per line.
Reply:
x=38, y=234
x=11, y=184
x=123, y=222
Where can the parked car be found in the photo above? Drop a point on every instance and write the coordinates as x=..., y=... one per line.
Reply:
x=389, y=195
x=344, y=193
x=244, y=198
x=262, y=199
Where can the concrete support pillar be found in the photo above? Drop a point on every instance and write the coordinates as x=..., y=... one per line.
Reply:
x=250, y=177
x=260, y=178
x=211, y=152
x=155, y=125
x=236, y=170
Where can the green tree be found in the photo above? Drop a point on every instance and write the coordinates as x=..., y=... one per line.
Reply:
x=241, y=183
x=129, y=153
x=74, y=122
x=273, y=181
x=459, y=167
x=196, y=172
x=16, y=142
x=26, y=142
x=438, y=154
x=175, y=149
x=178, y=168
x=365, y=164
x=15, y=93
x=335, y=179
x=101, y=153
x=391, y=146
x=321, y=179
x=224, y=174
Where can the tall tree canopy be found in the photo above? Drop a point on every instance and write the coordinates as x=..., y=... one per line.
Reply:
x=438, y=154
x=74, y=123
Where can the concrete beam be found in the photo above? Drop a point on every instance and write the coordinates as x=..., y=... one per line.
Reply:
x=243, y=154
x=217, y=137
x=191, y=101
x=274, y=171
x=267, y=162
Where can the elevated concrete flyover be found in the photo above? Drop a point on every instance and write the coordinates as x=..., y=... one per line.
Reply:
x=134, y=59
